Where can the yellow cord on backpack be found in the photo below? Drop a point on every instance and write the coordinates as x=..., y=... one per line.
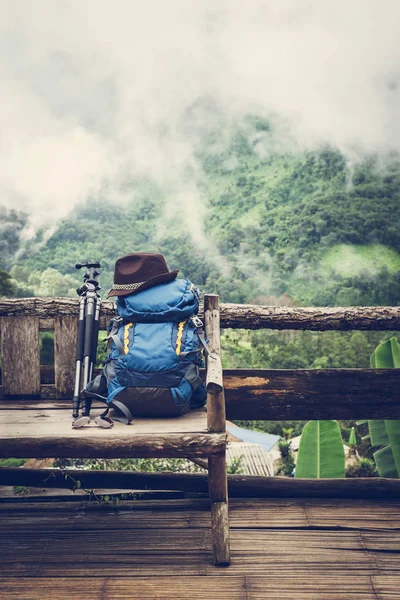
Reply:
x=126, y=337
x=179, y=337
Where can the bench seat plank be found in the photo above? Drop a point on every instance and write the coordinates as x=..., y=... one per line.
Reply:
x=40, y=433
x=41, y=422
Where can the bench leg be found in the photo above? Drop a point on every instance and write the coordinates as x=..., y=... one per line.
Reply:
x=218, y=489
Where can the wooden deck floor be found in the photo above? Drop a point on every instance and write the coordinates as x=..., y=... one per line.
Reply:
x=281, y=549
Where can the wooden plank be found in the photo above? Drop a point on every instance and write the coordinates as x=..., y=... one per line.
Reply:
x=276, y=394
x=20, y=356
x=387, y=563
x=312, y=394
x=340, y=586
x=247, y=486
x=361, y=514
x=306, y=553
x=65, y=336
x=46, y=391
x=85, y=445
x=387, y=541
x=386, y=587
x=106, y=551
x=252, y=587
x=39, y=404
x=242, y=316
x=128, y=588
x=179, y=552
x=239, y=486
x=38, y=421
x=123, y=480
x=225, y=588
x=170, y=560
x=305, y=394
x=247, y=316
x=49, y=308
x=147, y=514
x=255, y=513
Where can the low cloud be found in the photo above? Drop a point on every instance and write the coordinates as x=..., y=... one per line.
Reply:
x=95, y=93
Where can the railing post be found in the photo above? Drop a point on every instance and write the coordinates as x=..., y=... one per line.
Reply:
x=217, y=477
x=65, y=334
x=20, y=354
x=216, y=418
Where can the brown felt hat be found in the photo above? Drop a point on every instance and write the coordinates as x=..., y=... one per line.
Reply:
x=139, y=271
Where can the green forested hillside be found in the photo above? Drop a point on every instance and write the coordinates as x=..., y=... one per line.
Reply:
x=306, y=226
x=262, y=226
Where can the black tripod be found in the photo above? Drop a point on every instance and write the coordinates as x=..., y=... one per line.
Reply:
x=86, y=348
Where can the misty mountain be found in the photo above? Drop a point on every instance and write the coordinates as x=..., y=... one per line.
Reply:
x=253, y=224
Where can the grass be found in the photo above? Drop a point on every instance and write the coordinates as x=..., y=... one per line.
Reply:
x=349, y=260
x=13, y=462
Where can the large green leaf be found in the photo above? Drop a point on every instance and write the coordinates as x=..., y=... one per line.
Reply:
x=386, y=355
x=321, y=452
x=386, y=433
x=393, y=430
x=385, y=462
x=378, y=433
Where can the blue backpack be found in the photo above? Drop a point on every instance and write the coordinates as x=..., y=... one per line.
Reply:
x=155, y=344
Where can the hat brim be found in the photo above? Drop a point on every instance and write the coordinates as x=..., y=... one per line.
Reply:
x=153, y=281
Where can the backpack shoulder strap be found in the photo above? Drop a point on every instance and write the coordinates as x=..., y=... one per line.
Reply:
x=116, y=323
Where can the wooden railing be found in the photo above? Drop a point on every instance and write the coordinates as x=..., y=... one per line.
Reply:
x=250, y=393
x=272, y=394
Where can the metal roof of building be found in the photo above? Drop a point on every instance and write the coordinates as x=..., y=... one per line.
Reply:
x=266, y=440
x=253, y=460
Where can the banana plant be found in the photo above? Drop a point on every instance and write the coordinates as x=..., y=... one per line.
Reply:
x=386, y=433
x=321, y=451
x=352, y=444
x=352, y=439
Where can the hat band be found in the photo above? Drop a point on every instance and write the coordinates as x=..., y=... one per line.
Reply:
x=127, y=286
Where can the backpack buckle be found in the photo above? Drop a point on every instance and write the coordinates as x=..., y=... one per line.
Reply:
x=197, y=322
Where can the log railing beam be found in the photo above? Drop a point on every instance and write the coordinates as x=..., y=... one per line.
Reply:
x=235, y=316
x=280, y=395
x=242, y=486
x=172, y=445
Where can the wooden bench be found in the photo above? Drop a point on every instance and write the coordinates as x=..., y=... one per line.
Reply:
x=41, y=429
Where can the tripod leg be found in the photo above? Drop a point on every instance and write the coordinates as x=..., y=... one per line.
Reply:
x=96, y=327
x=87, y=401
x=79, y=358
x=87, y=350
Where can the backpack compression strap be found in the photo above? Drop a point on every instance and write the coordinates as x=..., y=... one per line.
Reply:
x=116, y=323
x=198, y=323
x=127, y=415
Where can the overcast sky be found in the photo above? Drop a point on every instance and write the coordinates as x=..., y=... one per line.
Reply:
x=94, y=89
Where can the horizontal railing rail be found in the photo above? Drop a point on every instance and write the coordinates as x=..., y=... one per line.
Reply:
x=240, y=486
x=285, y=395
x=235, y=316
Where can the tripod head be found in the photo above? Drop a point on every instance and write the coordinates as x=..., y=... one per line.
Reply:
x=90, y=278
